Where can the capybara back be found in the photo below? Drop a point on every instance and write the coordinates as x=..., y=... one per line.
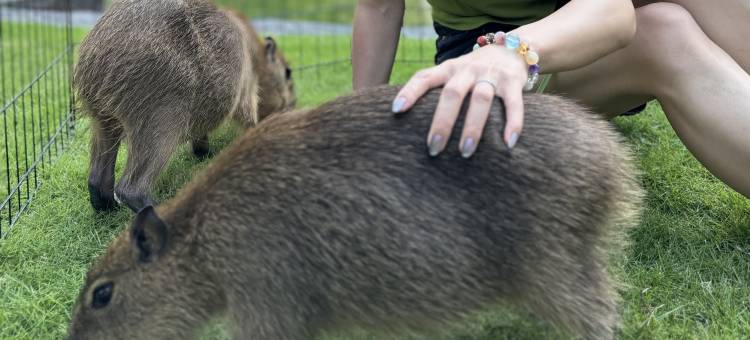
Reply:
x=159, y=73
x=338, y=216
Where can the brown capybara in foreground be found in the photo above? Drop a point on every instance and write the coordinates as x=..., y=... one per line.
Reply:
x=157, y=73
x=338, y=216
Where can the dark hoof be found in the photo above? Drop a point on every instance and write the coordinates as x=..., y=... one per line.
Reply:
x=101, y=201
x=202, y=153
x=134, y=202
x=200, y=148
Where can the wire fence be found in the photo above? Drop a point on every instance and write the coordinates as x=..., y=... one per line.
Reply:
x=37, y=47
x=37, y=118
x=324, y=20
x=316, y=37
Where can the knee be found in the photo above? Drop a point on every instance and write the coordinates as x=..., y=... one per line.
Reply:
x=668, y=36
x=664, y=17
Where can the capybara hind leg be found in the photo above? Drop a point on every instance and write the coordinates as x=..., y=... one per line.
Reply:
x=200, y=147
x=146, y=159
x=105, y=142
x=581, y=302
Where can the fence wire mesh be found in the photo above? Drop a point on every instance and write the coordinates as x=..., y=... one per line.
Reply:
x=316, y=37
x=37, y=115
x=324, y=20
x=37, y=49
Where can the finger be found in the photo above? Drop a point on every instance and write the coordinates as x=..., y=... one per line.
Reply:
x=419, y=84
x=447, y=111
x=513, y=100
x=476, y=117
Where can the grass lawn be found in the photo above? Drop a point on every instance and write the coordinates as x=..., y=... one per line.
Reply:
x=687, y=270
x=335, y=11
x=34, y=91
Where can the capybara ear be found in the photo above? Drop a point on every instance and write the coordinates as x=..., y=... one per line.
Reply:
x=149, y=235
x=271, y=49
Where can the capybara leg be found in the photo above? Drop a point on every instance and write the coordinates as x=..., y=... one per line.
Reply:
x=580, y=300
x=270, y=329
x=105, y=142
x=200, y=147
x=269, y=318
x=148, y=153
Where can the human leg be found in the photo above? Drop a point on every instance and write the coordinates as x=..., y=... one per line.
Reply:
x=725, y=22
x=704, y=92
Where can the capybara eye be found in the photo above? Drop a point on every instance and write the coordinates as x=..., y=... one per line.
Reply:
x=288, y=73
x=102, y=295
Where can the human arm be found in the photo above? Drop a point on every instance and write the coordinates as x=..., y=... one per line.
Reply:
x=577, y=34
x=376, y=29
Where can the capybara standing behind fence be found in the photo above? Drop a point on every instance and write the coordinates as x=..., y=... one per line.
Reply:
x=337, y=216
x=161, y=72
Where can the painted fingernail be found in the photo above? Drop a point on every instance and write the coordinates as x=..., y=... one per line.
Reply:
x=398, y=104
x=436, y=145
x=513, y=139
x=468, y=147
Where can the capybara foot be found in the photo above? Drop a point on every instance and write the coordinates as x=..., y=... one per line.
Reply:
x=100, y=199
x=134, y=201
x=201, y=149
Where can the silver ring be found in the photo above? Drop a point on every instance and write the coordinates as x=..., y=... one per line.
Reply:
x=489, y=82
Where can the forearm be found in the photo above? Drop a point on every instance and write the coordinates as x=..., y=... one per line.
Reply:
x=580, y=33
x=377, y=25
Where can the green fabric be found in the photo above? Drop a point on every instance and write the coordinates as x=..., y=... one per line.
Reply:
x=469, y=14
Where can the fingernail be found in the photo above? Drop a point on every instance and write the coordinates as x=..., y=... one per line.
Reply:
x=398, y=104
x=436, y=145
x=512, y=141
x=468, y=147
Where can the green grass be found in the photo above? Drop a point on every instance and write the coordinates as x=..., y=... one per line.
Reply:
x=335, y=11
x=687, y=270
x=317, y=80
x=34, y=91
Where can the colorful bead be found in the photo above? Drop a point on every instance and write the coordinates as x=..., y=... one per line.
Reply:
x=500, y=38
x=523, y=48
x=532, y=58
x=531, y=81
x=512, y=41
x=482, y=40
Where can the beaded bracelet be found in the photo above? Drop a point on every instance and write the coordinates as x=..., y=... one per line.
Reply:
x=513, y=42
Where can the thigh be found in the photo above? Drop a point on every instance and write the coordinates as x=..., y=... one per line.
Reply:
x=726, y=22
x=703, y=91
x=626, y=78
x=631, y=76
x=612, y=85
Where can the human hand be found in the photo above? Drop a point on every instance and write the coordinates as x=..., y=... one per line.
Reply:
x=487, y=72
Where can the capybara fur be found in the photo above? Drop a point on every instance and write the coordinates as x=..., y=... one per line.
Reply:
x=337, y=216
x=157, y=73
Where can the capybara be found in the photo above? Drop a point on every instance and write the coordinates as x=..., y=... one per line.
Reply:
x=337, y=216
x=158, y=73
